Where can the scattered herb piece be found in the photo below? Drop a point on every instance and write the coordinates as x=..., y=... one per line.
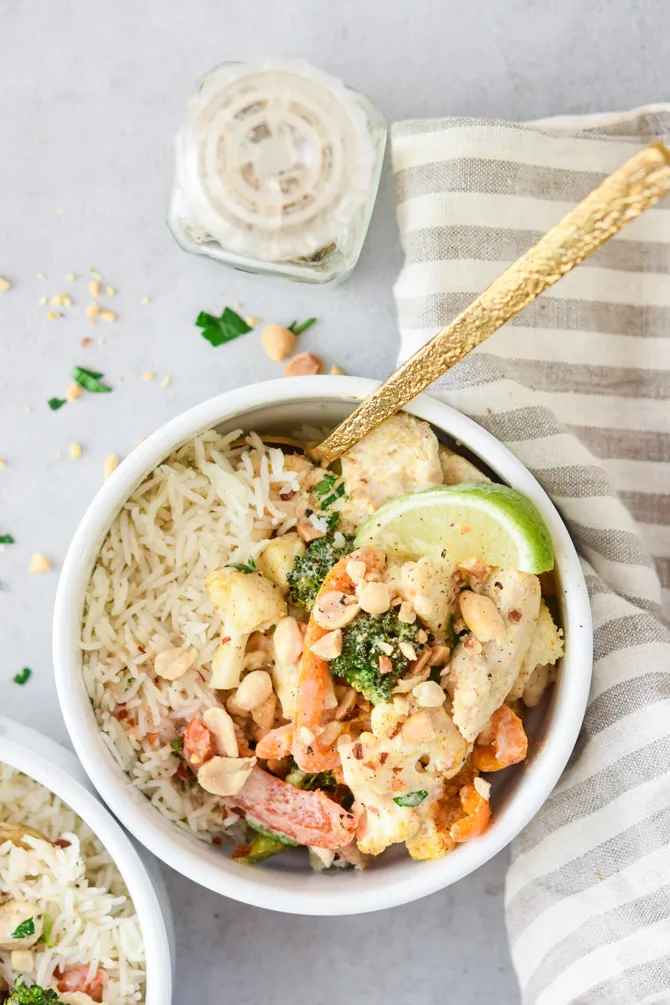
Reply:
x=89, y=380
x=241, y=567
x=271, y=834
x=333, y=497
x=451, y=639
x=177, y=746
x=6, y=539
x=411, y=799
x=26, y=927
x=298, y=329
x=224, y=329
x=325, y=485
x=310, y=782
x=22, y=994
x=333, y=520
x=130, y=682
x=56, y=403
x=22, y=678
x=47, y=930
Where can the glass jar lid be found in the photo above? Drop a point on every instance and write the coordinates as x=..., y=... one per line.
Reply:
x=275, y=158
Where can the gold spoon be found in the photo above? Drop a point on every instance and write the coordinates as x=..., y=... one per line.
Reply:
x=624, y=195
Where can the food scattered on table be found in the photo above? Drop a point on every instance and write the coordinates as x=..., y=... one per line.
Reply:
x=5, y=285
x=40, y=563
x=284, y=654
x=68, y=932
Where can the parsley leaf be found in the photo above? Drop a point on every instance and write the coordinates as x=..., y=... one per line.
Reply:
x=333, y=497
x=224, y=329
x=333, y=520
x=6, y=539
x=23, y=930
x=241, y=567
x=411, y=799
x=56, y=403
x=298, y=329
x=177, y=746
x=325, y=485
x=89, y=380
x=22, y=678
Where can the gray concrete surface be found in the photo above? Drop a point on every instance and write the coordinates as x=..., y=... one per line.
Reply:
x=90, y=95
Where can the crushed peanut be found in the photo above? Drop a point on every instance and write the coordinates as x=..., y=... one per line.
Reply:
x=107, y=315
x=70, y=277
x=278, y=342
x=302, y=365
x=144, y=301
x=61, y=300
x=94, y=287
x=86, y=342
x=336, y=370
x=252, y=320
x=95, y=273
x=40, y=275
x=166, y=381
x=4, y=284
x=92, y=312
x=75, y=451
x=74, y=391
x=110, y=465
x=148, y=375
x=110, y=291
x=3, y=462
x=43, y=301
x=54, y=315
x=39, y=563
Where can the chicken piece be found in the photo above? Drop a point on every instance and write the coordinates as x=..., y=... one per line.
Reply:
x=428, y=586
x=246, y=603
x=456, y=469
x=546, y=647
x=398, y=457
x=480, y=676
x=23, y=917
x=410, y=762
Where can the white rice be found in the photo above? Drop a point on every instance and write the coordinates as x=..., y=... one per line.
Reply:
x=208, y=504
x=78, y=887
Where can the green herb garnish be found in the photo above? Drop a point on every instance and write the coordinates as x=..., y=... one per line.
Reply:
x=411, y=799
x=333, y=520
x=177, y=746
x=333, y=497
x=47, y=931
x=310, y=782
x=22, y=994
x=224, y=329
x=26, y=927
x=298, y=329
x=130, y=682
x=271, y=834
x=6, y=539
x=22, y=678
x=325, y=485
x=241, y=567
x=89, y=380
x=56, y=403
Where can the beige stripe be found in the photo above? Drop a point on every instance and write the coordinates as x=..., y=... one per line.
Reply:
x=622, y=443
x=642, y=475
x=649, y=508
x=623, y=381
x=657, y=539
x=494, y=244
x=529, y=148
x=514, y=212
x=634, y=581
x=471, y=275
x=594, y=348
x=663, y=567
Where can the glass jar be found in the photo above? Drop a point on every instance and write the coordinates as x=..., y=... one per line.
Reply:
x=277, y=170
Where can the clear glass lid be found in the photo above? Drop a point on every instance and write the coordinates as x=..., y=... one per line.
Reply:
x=275, y=158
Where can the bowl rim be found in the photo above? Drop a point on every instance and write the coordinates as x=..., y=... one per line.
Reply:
x=59, y=771
x=264, y=888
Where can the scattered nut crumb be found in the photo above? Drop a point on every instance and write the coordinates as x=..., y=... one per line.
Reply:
x=278, y=342
x=75, y=451
x=252, y=320
x=149, y=375
x=54, y=315
x=86, y=342
x=94, y=273
x=60, y=209
x=110, y=291
x=27, y=409
x=70, y=277
x=302, y=365
x=4, y=284
x=107, y=315
x=111, y=464
x=74, y=391
x=335, y=369
x=92, y=312
x=3, y=462
x=166, y=381
x=40, y=275
x=237, y=306
x=145, y=300
x=39, y=563
x=94, y=287
x=44, y=301
x=141, y=440
x=62, y=300
x=101, y=341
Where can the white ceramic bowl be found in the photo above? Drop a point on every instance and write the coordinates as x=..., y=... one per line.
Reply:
x=60, y=772
x=395, y=878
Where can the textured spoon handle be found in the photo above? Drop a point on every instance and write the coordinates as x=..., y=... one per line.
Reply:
x=624, y=195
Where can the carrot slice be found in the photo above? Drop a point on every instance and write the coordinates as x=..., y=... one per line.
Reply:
x=310, y=818
x=276, y=744
x=506, y=744
x=76, y=979
x=477, y=815
x=315, y=682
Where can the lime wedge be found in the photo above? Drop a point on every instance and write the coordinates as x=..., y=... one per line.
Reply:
x=454, y=522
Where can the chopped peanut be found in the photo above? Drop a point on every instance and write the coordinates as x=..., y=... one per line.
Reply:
x=94, y=287
x=481, y=616
x=39, y=563
x=75, y=451
x=149, y=375
x=4, y=284
x=74, y=391
x=110, y=465
x=303, y=365
x=107, y=315
x=336, y=370
x=278, y=342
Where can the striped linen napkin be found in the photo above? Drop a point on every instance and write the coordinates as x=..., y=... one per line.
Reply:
x=578, y=387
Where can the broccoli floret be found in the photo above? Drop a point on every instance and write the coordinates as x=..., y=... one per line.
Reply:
x=310, y=569
x=303, y=780
x=263, y=845
x=358, y=662
x=22, y=994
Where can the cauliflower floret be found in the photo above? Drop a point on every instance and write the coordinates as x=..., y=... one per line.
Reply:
x=426, y=749
x=246, y=603
x=428, y=587
x=546, y=647
x=398, y=457
x=277, y=558
x=481, y=674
